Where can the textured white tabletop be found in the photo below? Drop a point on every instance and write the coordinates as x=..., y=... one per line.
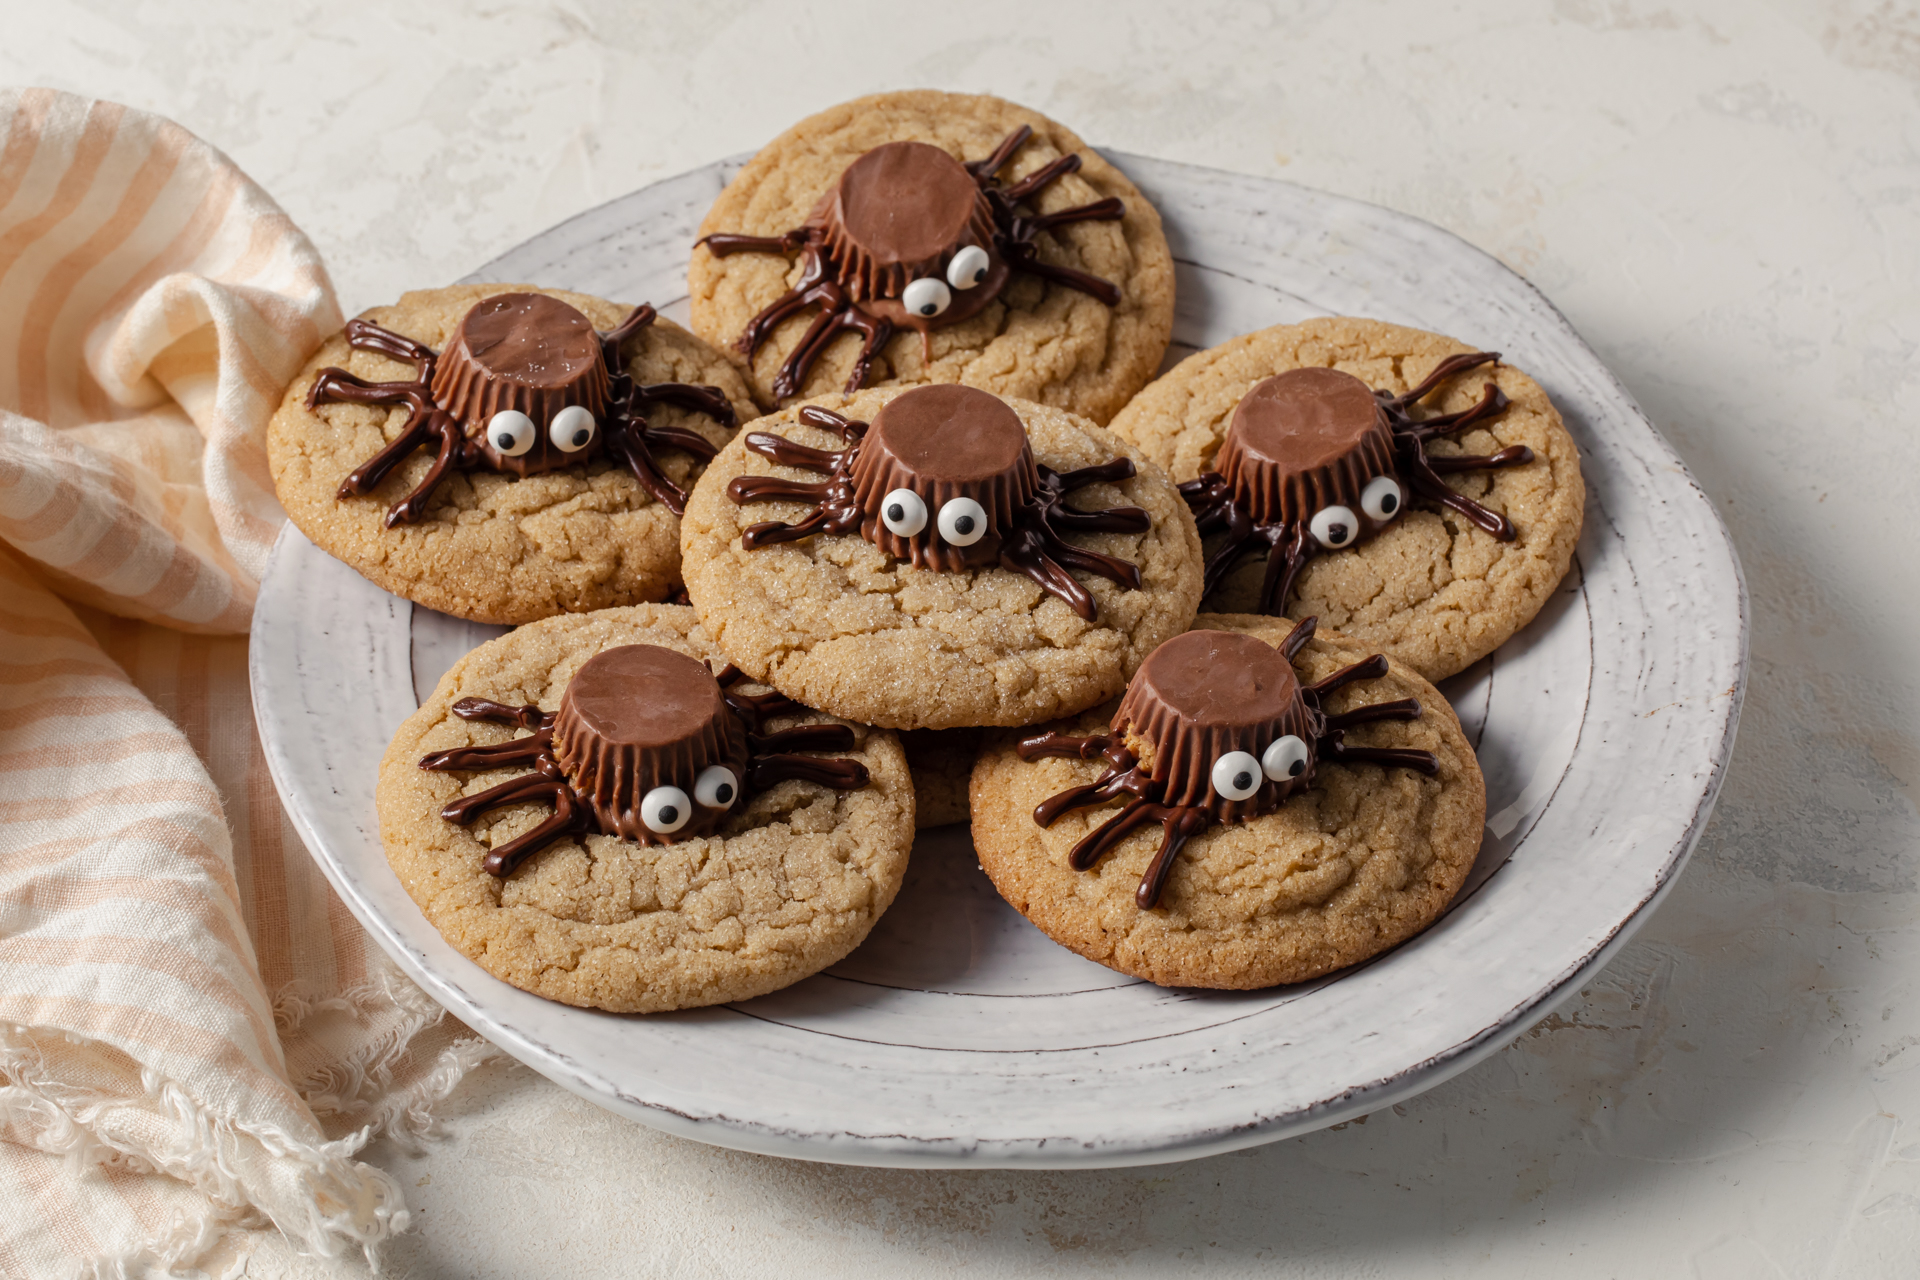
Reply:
x=1725, y=200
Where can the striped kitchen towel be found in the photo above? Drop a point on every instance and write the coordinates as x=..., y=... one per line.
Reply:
x=195, y=1037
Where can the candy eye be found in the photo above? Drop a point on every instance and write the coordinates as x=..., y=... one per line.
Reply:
x=927, y=297
x=1284, y=758
x=1236, y=775
x=963, y=522
x=665, y=810
x=1334, y=527
x=1382, y=498
x=716, y=787
x=968, y=268
x=903, y=512
x=571, y=429
x=510, y=432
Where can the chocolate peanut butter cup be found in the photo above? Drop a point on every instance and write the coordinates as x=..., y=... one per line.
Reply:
x=940, y=476
x=529, y=353
x=1304, y=441
x=640, y=719
x=1203, y=696
x=897, y=215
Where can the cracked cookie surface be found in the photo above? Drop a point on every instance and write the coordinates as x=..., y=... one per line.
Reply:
x=493, y=548
x=836, y=623
x=1038, y=341
x=786, y=888
x=1359, y=862
x=1432, y=590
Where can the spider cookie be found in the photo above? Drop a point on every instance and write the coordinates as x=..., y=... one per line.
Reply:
x=504, y=453
x=596, y=809
x=1288, y=805
x=1411, y=492
x=936, y=237
x=938, y=558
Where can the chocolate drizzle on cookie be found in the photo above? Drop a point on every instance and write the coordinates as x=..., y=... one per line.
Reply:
x=1214, y=727
x=1315, y=460
x=526, y=385
x=945, y=479
x=648, y=745
x=910, y=237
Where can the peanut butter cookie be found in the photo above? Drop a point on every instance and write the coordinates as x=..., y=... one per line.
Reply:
x=1338, y=828
x=437, y=458
x=1466, y=496
x=587, y=812
x=936, y=237
x=929, y=573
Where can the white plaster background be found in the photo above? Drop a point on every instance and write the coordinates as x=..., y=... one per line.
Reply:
x=1723, y=197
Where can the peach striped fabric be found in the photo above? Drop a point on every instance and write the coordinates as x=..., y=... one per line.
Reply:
x=195, y=1037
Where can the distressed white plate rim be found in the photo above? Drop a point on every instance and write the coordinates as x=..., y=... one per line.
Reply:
x=958, y=1036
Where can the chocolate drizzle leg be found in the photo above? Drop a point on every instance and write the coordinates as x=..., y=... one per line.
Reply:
x=771, y=758
x=519, y=354
x=1411, y=436
x=647, y=745
x=1037, y=545
x=425, y=422
x=883, y=250
x=1213, y=709
x=942, y=450
x=1316, y=460
x=544, y=784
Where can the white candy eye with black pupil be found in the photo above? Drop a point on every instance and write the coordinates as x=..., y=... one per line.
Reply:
x=716, y=787
x=665, y=810
x=1334, y=527
x=1382, y=498
x=926, y=297
x=963, y=522
x=903, y=512
x=969, y=267
x=571, y=429
x=1284, y=758
x=510, y=432
x=1236, y=776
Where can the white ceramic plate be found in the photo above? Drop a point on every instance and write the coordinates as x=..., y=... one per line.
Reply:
x=958, y=1035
